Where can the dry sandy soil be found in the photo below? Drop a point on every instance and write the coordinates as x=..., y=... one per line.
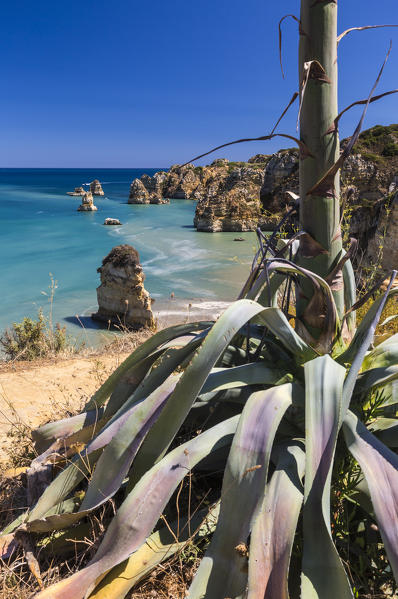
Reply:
x=32, y=393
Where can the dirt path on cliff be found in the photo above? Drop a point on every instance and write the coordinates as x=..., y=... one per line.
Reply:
x=33, y=393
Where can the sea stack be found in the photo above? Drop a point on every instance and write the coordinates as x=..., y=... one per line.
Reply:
x=122, y=298
x=78, y=191
x=87, y=204
x=112, y=221
x=96, y=188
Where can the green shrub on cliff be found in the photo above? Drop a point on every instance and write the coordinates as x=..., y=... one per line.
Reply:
x=33, y=338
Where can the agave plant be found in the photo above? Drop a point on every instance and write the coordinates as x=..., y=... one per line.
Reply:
x=278, y=387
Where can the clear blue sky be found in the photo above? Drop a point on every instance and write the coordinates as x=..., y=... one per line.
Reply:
x=128, y=83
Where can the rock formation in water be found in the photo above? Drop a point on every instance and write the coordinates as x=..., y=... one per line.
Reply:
x=147, y=190
x=122, y=298
x=227, y=192
x=112, y=221
x=78, y=191
x=239, y=196
x=96, y=188
x=87, y=204
x=231, y=202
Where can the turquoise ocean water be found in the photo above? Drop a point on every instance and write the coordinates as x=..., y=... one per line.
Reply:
x=42, y=233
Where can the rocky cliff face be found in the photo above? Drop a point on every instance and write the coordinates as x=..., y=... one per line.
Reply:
x=239, y=196
x=122, y=298
x=227, y=193
x=96, y=188
x=147, y=190
x=230, y=202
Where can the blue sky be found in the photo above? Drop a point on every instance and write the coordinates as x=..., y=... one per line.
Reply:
x=130, y=83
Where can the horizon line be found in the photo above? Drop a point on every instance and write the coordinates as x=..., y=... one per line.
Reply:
x=83, y=167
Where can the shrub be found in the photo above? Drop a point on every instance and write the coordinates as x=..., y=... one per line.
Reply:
x=33, y=338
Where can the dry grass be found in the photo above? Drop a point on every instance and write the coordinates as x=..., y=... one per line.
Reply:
x=169, y=580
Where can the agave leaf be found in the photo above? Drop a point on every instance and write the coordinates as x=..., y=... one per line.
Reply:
x=64, y=543
x=125, y=576
x=358, y=347
x=323, y=575
x=361, y=496
x=79, y=468
x=115, y=461
x=129, y=382
x=63, y=507
x=161, y=545
x=143, y=351
x=350, y=295
x=365, y=331
x=392, y=340
x=170, y=360
x=194, y=377
x=382, y=355
x=232, y=356
x=380, y=467
x=274, y=528
x=45, y=435
x=83, y=427
x=266, y=287
x=83, y=464
x=255, y=373
x=122, y=439
x=375, y=377
x=140, y=511
x=388, y=319
x=386, y=429
x=223, y=570
x=322, y=296
x=276, y=321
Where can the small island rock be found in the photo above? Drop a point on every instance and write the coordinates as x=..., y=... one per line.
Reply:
x=79, y=191
x=87, y=204
x=112, y=221
x=122, y=298
x=96, y=188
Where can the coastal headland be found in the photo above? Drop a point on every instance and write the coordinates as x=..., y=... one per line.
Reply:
x=241, y=196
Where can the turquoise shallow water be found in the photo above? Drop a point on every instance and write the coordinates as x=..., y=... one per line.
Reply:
x=42, y=233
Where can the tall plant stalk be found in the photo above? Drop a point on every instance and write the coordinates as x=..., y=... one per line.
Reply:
x=319, y=204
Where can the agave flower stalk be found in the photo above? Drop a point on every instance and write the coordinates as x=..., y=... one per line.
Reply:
x=319, y=204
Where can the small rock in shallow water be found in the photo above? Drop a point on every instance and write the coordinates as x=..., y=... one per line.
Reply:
x=79, y=191
x=239, y=239
x=112, y=221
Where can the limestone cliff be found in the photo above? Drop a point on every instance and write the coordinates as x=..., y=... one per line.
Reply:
x=231, y=201
x=227, y=192
x=239, y=196
x=147, y=190
x=122, y=298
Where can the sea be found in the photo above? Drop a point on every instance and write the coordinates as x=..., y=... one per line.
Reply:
x=45, y=242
